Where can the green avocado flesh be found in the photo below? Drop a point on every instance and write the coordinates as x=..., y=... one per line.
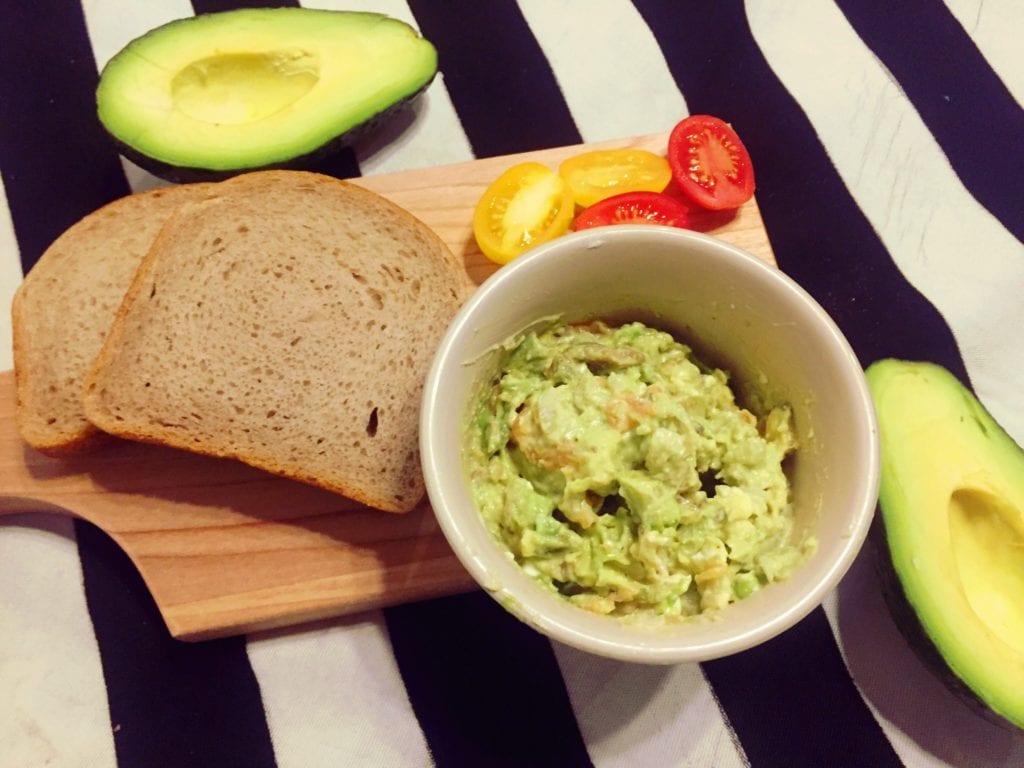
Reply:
x=952, y=501
x=622, y=475
x=258, y=88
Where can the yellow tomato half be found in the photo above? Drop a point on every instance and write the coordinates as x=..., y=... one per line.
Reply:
x=594, y=176
x=527, y=205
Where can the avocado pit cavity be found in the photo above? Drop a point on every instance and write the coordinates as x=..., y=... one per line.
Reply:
x=989, y=556
x=237, y=88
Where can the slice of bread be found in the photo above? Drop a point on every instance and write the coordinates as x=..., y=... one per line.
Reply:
x=288, y=321
x=65, y=306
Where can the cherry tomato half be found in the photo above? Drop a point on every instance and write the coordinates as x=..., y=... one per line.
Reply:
x=635, y=208
x=710, y=163
x=527, y=205
x=593, y=176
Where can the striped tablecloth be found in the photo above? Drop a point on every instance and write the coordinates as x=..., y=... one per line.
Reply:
x=887, y=139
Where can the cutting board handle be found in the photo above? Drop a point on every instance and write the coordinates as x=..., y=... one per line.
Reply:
x=223, y=547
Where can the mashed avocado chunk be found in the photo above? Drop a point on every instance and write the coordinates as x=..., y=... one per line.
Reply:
x=620, y=472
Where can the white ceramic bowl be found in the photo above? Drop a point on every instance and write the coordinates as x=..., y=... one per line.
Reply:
x=738, y=313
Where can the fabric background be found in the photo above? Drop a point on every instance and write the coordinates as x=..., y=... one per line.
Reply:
x=887, y=141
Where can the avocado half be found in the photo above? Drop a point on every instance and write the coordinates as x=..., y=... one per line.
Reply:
x=212, y=95
x=952, y=503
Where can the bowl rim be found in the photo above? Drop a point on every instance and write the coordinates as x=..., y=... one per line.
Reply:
x=510, y=597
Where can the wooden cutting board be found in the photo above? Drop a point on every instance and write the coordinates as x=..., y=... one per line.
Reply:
x=227, y=549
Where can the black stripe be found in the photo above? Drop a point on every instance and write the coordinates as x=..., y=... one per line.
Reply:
x=497, y=76
x=214, y=6
x=171, y=703
x=968, y=109
x=486, y=691
x=822, y=239
x=57, y=162
x=764, y=693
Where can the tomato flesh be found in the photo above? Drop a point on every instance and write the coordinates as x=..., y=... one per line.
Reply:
x=710, y=163
x=634, y=208
x=527, y=205
x=594, y=176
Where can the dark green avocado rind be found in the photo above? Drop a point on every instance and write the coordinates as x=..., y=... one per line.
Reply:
x=900, y=600
x=182, y=174
x=306, y=159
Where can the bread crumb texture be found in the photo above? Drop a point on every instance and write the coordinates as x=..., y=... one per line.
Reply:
x=287, y=321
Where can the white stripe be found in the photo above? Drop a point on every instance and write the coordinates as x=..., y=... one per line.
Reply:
x=333, y=695
x=140, y=180
x=10, y=279
x=53, y=710
x=946, y=244
x=428, y=134
x=632, y=714
x=997, y=28
x=608, y=65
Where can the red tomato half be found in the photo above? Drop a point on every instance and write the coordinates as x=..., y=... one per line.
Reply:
x=634, y=208
x=710, y=163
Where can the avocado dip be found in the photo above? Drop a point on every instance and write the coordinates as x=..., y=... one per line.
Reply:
x=620, y=472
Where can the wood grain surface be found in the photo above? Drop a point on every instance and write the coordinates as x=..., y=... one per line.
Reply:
x=227, y=549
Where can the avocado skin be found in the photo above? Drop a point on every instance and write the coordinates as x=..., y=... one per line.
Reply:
x=899, y=599
x=185, y=175
x=906, y=621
